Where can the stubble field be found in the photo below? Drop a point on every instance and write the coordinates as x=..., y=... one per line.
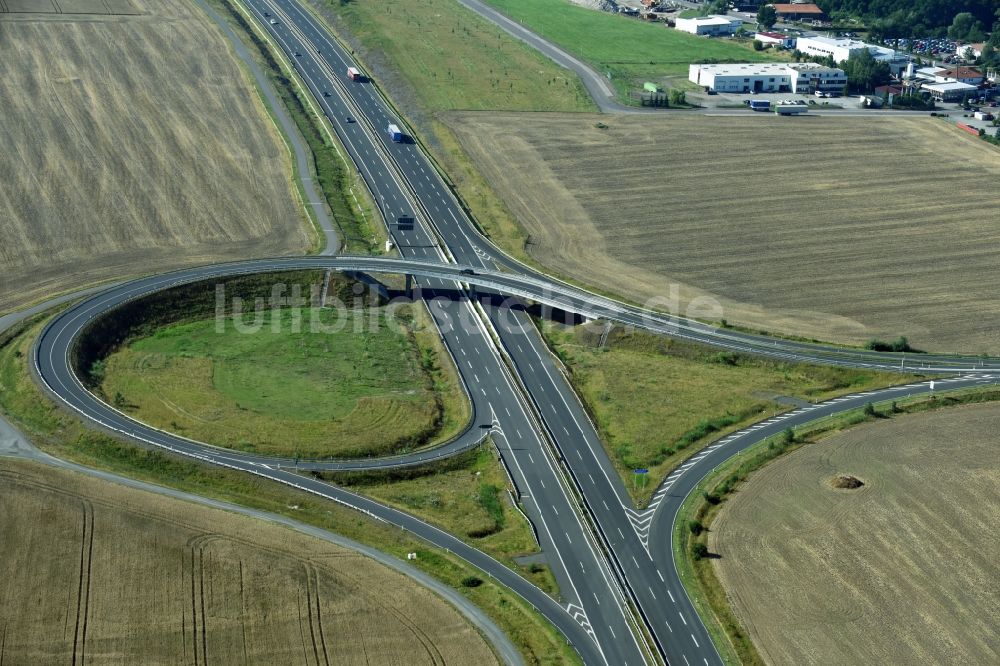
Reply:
x=902, y=570
x=99, y=573
x=841, y=229
x=132, y=144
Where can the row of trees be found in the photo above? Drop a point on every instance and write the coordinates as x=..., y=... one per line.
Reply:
x=911, y=18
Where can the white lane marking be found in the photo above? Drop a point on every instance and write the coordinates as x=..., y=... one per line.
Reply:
x=668, y=592
x=695, y=641
x=682, y=618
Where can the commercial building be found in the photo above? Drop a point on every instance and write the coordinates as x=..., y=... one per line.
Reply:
x=709, y=25
x=776, y=38
x=799, y=11
x=798, y=77
x=969, y=75
x=949, y=92
x=977, y=50
x=841, y=48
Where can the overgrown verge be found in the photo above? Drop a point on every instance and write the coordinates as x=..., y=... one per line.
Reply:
x=656, y=401
x=694, y=521
x=333, y=175
x=60, y=434
x=466, y=495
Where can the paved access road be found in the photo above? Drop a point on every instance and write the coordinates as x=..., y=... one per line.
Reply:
x=602, y=557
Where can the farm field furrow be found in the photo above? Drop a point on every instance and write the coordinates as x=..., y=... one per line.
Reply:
x=98, y=572
x=901, y=570
x=843, y=229
x=132, y=144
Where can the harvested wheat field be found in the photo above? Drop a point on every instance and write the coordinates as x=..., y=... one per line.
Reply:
x=904, y=568
x=132, y=144
x=836, y=228
x=98, y=573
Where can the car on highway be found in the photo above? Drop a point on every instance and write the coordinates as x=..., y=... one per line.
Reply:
x=273, y=22
x=348, y=119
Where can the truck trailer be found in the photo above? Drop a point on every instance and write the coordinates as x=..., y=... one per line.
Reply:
x=791, y=107
x=395, y=134
x=353, y=74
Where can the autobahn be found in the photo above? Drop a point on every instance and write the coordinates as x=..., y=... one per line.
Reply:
x=543, y=433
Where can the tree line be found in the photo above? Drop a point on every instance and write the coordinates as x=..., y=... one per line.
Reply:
x=890, y=19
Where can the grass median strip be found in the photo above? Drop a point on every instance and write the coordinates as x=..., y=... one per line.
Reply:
x=657, y=401
x=465, y=495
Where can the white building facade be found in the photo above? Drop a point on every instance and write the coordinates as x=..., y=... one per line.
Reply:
x=804, y=77
x=776, y=38
x=709, y=25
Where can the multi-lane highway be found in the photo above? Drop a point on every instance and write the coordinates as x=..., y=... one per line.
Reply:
x=613, y=563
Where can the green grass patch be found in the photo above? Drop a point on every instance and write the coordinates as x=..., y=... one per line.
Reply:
x=453, y=59
x=694, y=520
x=333, y=175
x=466, y=496
x=657, y=401
x=60, y=434
x=632, y=51
x=282, y=377
x=362, y=386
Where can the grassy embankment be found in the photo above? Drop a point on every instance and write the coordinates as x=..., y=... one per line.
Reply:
x=337, y=179
x=657, y=401
x=694, y=521
x=467, y=496
x=57, y=432
x=633, y=51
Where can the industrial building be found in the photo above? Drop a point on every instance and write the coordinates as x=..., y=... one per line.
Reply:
x=709, y=25
x=776, y=38
x=841, y=48
x=950, y=92
x=969, y=75
x=977, y=50
x=799, y=11
x=796, y=77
